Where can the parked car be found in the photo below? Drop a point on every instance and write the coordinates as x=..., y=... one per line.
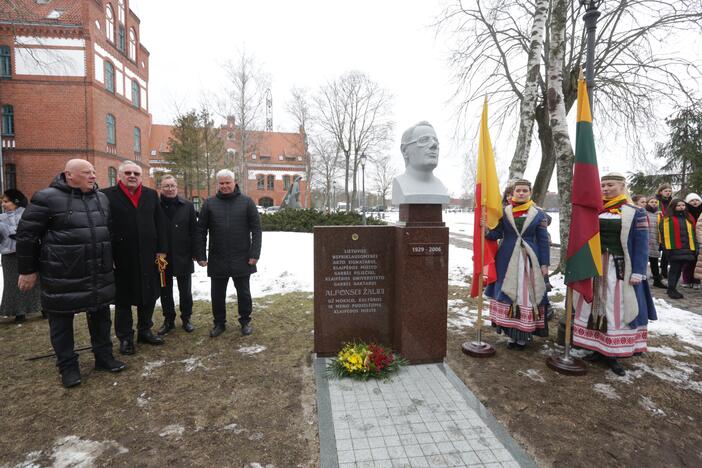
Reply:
x=272, y=209
x=260, y=209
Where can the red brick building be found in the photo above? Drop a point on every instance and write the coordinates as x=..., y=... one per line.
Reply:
x=73, y=83
x=271, y=166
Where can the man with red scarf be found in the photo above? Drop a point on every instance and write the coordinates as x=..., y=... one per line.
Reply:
x=138, y=232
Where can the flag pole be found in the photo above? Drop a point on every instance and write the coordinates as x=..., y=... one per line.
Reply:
x=566, y=364
x=478, y=348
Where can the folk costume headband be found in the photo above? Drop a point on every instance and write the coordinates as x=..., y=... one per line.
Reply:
x=613, y=176
x=522, y=182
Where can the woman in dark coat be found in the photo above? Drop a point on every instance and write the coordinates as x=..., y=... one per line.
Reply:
x=14, y=302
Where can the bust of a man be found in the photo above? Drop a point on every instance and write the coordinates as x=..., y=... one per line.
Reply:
x=420, y=149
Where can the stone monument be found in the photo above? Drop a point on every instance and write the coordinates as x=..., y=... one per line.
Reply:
x=292, y=198
x=389, y=284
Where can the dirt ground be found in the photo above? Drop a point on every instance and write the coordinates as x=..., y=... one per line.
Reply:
x=195, y=401
x=652, y=417
x=203, y=402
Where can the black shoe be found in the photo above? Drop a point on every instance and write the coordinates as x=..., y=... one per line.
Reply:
x=617, y=368
x=126, y=347
x=108, y=363
x=70, y=377
x=593, y=357
x=674, y=294
x=188, y=327
x=44, y=315
x=149, y=338
x=167, y=326
x=217, y=330
x=246, y=330
x=659, y=284
x=22, y=319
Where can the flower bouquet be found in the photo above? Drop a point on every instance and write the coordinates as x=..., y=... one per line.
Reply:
x=363, y=361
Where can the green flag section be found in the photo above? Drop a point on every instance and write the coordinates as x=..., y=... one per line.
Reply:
x=584, y=255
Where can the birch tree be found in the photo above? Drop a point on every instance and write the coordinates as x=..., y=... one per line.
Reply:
x=384, y=173
x=354, y=112
x=299, y=108
x=327, y=158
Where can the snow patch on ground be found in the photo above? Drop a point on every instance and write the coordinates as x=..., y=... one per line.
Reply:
x=143, y=400
x=667, y=351
x=74, y=452
x=193, y=363
x=234, y=427
x=172, y=430
x=533, y=374
x=676, y=322
x=679, y=376
x=29, y=460
x=150, y=366
x=255, y=349
x=606, y=390
x=651, y=407
x=460, y=266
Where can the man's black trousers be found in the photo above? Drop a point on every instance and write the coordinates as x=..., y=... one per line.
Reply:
x=185, y=294
x=218, y=292
x=61, y=328
x=124, y=320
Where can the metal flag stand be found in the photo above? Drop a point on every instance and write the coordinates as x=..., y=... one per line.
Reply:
x=566, y=364
x=479, y=348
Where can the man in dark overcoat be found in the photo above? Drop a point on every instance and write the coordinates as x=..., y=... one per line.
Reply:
x=63, y=239
x=234, y=227
x=182, y=235
x=138, y=230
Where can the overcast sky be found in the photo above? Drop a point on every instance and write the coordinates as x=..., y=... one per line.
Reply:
x=306, y=44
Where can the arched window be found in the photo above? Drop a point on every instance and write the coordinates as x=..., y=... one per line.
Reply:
x=109, y=76
x=286, y=182
x=121, y=39
x=120, y=10
x=265, y=202
x=5, y=62
x=132, y=44
x=271, y=182
x=111, y=129
x=136, y=94
x=111, y=176
x=260, y=182
x=137, y=142
x=8, y=120
x=110, y=23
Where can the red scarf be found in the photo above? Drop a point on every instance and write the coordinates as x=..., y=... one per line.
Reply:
x=134, y=198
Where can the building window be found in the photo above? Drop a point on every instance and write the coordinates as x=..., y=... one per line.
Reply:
x=137, y=141
x=286, y=182
x=271, y=182
x=5, y=62
x=136, y=94
x=109, y=76
x=121, y=39
x=10, y=176
x=260, y=182
x=132, y=44
x=120, y=10
x=110, y=23
x=265, y=202
x=196, y=204
x=231, y=156
x=111, y=176
x=8, y=120
x=111, y=130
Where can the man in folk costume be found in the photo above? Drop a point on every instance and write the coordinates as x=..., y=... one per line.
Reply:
x=614, y=324
x=519, y=299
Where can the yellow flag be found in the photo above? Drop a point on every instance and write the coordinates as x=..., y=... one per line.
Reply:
x=487, y=189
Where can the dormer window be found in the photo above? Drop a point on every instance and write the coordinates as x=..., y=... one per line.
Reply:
x=132, y=44
x=110, y=23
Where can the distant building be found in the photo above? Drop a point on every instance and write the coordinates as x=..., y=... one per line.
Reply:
x=74, y=82
x=271, y=165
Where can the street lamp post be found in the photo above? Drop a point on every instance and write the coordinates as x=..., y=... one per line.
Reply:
x=363, y=186
x=590, y=17
x=333, y=203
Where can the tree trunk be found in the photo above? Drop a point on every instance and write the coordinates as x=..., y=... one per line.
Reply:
x=559, y=124
x=548, y=156
x=530, y=95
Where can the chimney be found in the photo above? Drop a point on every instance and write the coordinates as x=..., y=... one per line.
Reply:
x=231, y=121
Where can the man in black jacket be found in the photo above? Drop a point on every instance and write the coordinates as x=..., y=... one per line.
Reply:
x=138, y=230
x=182, y=235
x=63, y=238
x=232, y=221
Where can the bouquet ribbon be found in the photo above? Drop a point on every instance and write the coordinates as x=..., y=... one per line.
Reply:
x=161, y=263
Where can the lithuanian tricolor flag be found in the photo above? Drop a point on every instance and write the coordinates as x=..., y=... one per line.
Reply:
x=584, y=256
x=488, y=198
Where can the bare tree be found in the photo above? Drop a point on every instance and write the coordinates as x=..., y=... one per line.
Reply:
x=244, y=100
x=299, y=108
x=635, y=72
x=384, y=173
x=354, y=112
x=327, y=163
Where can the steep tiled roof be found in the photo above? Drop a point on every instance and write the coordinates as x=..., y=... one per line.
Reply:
x=29, y=11
x=158, y=139
x=275, y=144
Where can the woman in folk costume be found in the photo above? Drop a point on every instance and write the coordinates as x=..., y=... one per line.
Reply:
x=698, y=233
x=518, y=297
x=677, y=233
x=614, y=324
x=664, y=194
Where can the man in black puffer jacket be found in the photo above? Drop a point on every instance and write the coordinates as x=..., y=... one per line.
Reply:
x=235, y=246
x=64, y=238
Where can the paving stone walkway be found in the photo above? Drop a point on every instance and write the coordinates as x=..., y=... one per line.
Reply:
x=424, y=416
